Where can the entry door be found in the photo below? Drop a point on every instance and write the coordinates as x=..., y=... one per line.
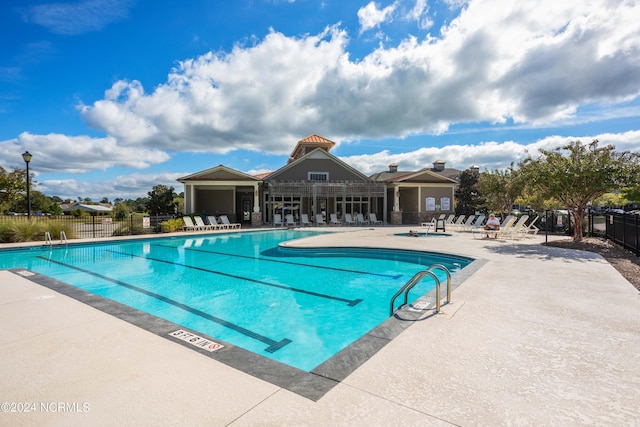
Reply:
x=246, y=208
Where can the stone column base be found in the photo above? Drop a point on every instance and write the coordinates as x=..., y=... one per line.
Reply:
x=396, y=218
x=256, y=219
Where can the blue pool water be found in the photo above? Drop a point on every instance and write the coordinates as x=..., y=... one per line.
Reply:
x=297, y=306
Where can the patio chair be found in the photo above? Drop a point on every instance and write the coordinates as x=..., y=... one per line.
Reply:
x=518, y=229
x=348, y=219
x=188, y=224
x=361, y=220
x=532, y=230
x=200, y=223
x=304, y=220
x=225, y=221
x=320, y=220
x=333, y=219
x=466, y=224
x=450, y=219
x=458, y=222
x=477, y=224
x=277, y=220
x=290, y=221
x=373, y=219
x=214, y=224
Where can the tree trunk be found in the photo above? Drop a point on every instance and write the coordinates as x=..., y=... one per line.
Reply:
x=578, y=215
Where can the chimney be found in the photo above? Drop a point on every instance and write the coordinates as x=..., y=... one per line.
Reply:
x=438, y=165
x=475, y=168
x=393, y=167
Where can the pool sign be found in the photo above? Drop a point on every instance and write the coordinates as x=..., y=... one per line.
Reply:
x=196, y=340
x=146, y=222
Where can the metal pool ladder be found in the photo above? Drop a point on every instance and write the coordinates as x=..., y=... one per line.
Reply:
x=416, y=279
x=48, y=241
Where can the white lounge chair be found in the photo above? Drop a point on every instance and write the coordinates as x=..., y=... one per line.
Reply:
x=188, y=224
x=348, y=219
x=477, y=224
x=304, y=220
x=277, y=220
x=290, y=221
x=361, y=220
x=532, y=230
x=374, y=220
x=466, y=224
x=518, y=229
x=200, y=223
x=458, y=222
x=213, y=222
x=450, y=219
x=333, y=219
x=225, y=221
x=320, y=220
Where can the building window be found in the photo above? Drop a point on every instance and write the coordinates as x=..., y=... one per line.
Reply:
x=318, y=176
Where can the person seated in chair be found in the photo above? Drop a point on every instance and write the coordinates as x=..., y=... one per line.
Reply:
x=492, y=224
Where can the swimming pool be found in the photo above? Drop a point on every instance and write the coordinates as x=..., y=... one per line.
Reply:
x=296, y=306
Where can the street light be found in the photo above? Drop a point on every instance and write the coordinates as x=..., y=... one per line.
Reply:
x=27, y=158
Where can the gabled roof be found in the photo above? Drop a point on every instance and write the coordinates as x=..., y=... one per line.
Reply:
x=423, y=175
x=219, y=173
x=85, y=207
x=318, y=153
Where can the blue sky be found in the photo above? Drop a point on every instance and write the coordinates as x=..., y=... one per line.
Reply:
x=115, y=96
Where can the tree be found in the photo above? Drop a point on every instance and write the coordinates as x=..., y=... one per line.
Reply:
x=577, y=174
x=161, y=200
x=501, y=188
x=468, y=197
x=11, y=184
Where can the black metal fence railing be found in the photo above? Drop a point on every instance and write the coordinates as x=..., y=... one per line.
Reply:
x=87, y=227
x=623, y=229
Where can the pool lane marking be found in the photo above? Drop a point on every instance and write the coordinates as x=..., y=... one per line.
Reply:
x=350, y=302
x=273, y=344
x=391, y=276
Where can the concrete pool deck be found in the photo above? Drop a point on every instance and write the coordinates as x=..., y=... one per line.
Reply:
x=536, y=336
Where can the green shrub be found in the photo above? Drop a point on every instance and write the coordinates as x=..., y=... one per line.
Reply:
x=26, y=231
x=55, y=227
x=172, y=225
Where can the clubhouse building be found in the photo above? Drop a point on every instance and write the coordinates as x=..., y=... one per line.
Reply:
x=314, y=181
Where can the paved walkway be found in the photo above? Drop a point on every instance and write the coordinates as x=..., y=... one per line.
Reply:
x=536, y=336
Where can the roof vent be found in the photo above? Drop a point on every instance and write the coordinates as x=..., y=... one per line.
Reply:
x=393, y=167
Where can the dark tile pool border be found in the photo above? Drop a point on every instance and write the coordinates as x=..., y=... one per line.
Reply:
x=311, y=385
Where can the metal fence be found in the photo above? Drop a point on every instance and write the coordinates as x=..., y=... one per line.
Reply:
x=94, y=226
x=623, y=229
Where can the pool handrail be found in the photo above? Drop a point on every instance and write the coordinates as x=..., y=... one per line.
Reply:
x=416, y=279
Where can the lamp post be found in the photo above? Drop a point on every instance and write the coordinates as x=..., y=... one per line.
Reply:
x=27, y=158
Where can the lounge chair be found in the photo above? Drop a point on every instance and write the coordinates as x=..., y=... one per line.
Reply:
x=320, y=220
x=200, y=223
x=458, y=222
x=348, y=219
x=450, y=219
x=465, y=225
x=277, y=220
x=532, y=230
x=518, y=229
x=188, y=224
x=290, y=221
x=333, y=219
x=477, y=224
x=361, y=220
x=225, y=221
x=374, y=220
x=304, y=220
x=213, y=223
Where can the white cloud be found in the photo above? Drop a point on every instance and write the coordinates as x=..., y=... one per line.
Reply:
x=79, y=154
x=126, y=187
x=370, y=16
x=419, y=14
x=498, y=60
x=78, y=17
x=487, y=155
